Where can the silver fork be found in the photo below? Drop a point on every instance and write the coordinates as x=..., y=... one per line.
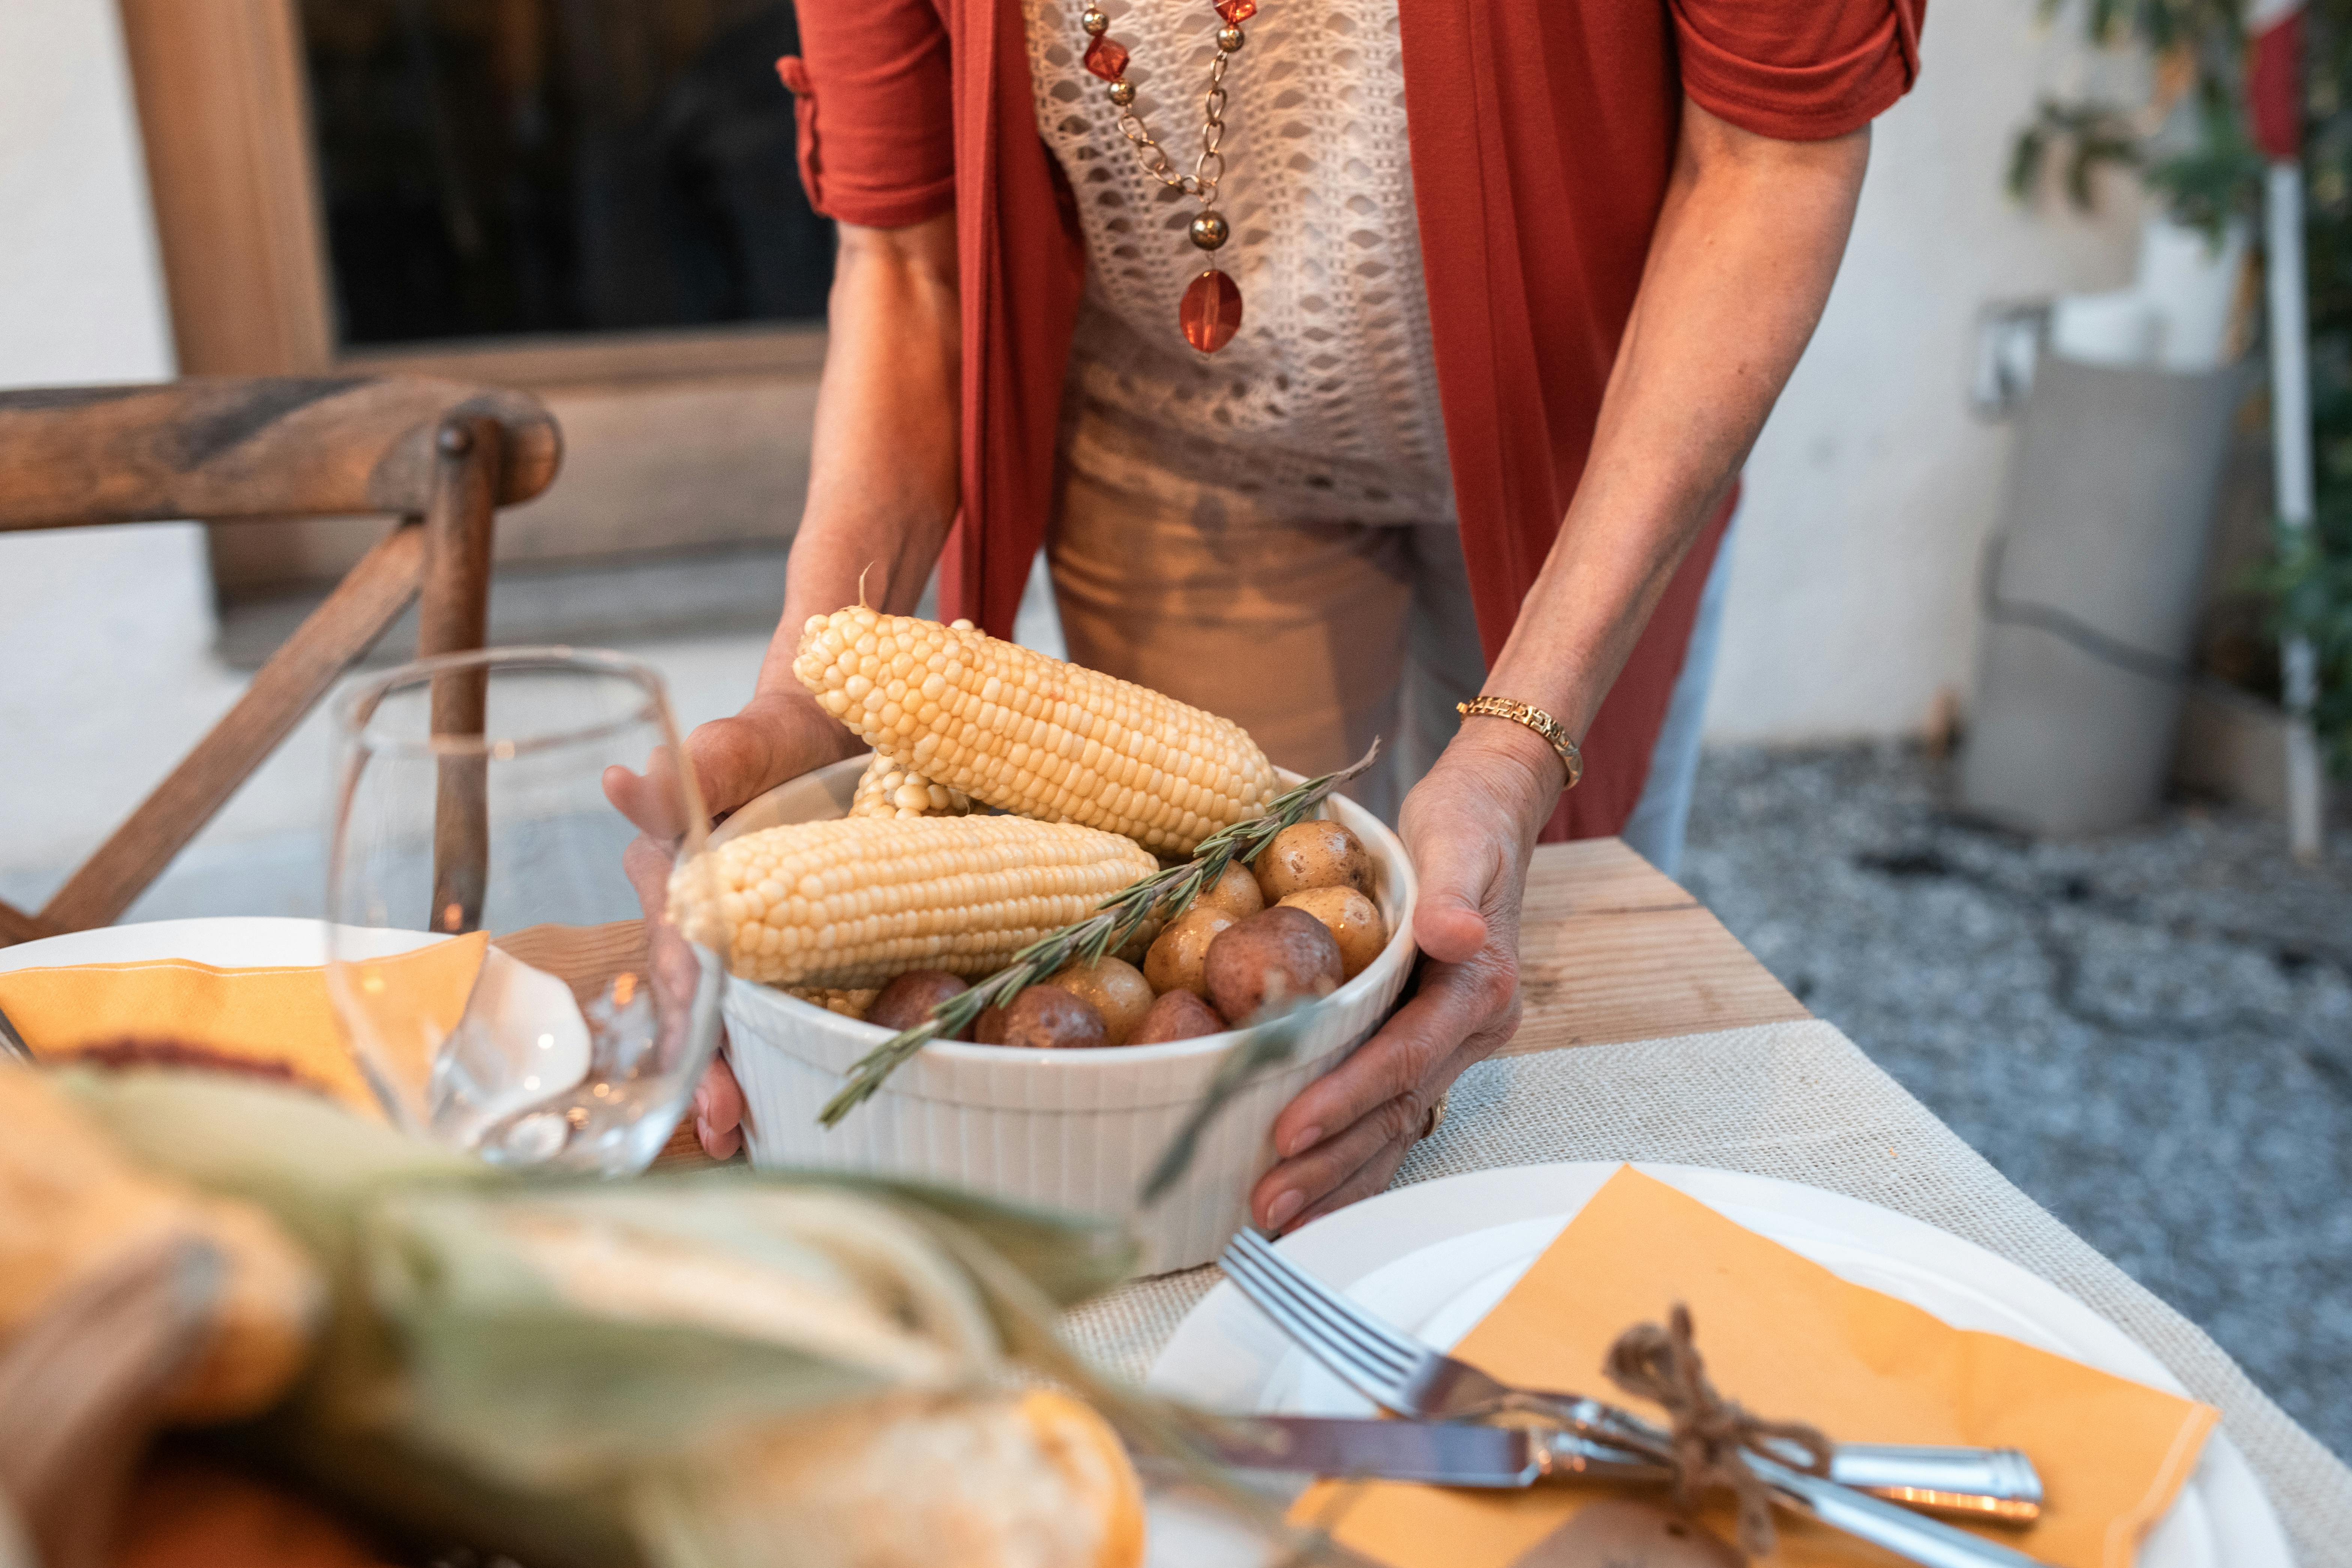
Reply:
x=1400, y=1373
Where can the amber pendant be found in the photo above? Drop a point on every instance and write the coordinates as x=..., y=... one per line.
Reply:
x=1212, y=311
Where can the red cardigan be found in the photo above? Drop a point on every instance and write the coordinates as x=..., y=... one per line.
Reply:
x=1542, y=134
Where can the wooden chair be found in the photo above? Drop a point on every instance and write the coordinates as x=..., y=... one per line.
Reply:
x=439, y=455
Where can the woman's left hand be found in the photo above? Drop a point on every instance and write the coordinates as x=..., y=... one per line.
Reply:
x=1470, y=827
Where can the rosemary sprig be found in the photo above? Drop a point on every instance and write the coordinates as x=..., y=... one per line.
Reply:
x=1164, y=894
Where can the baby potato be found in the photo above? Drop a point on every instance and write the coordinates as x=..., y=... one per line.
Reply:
x=1352, y=918
x=1175, y=961
x=1139, y=943
x=909, y=1000
x=1115, y=989
x=1235, y=892
x=1313, y=855
x=1274, y=957
x=1044, y=1019
x=1178, y=1015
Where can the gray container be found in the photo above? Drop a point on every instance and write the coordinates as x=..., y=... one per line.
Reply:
x=2091, y=595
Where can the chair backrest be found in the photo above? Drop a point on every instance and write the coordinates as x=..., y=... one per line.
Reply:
x=440, y=455
x=222, y=448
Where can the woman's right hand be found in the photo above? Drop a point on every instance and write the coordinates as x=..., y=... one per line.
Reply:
x=776, y=737
x=735, y=760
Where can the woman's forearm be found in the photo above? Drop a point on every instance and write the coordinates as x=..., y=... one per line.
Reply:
x=1747, y=245
x=883, y=467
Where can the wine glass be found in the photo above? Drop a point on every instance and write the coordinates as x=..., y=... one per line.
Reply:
x=501, y=957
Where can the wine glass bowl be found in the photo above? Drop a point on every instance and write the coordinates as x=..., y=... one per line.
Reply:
x=500, y=956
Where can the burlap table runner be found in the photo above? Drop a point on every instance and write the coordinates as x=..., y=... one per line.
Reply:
x=1800, y=1102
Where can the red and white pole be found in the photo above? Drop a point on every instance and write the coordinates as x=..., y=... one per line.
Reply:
x=2274, y=106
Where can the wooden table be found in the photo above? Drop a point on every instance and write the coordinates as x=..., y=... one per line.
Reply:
x=1610, y=949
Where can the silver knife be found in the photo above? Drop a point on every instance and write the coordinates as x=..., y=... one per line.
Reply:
x=1471, y=1454
x=1437, y=1453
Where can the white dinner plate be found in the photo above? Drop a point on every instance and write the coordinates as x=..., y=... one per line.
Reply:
x=225, y=942
x=518, y=1004
x=1435, y=1257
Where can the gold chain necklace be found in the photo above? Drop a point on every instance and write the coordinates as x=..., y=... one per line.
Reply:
x=1212, y=308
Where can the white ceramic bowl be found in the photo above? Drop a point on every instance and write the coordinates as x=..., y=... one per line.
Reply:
x=1073, y=1130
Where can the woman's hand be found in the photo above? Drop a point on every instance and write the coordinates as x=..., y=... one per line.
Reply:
x=735, y=760
x=1470, y=827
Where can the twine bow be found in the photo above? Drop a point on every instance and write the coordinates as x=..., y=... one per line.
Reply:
x=1711, y=1435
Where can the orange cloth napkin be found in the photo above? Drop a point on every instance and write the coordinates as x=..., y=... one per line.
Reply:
x=1790, y=1340
x=277, y=1019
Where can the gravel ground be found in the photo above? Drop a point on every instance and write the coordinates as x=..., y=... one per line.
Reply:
x=2150, y=1033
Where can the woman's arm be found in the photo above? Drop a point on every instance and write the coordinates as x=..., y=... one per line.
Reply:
x=1740, y=264
x=882, y=492
x=882, y=489
x=882, y=469
x=1747, y=245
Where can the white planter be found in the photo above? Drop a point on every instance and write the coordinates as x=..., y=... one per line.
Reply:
x=1073, y=1130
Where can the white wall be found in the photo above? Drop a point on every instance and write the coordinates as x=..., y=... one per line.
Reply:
x=1873, y=486
x=102, y=634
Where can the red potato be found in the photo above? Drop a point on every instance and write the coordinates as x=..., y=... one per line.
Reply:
x=1271, y=960
x=1114, y=988
x=1353, y=920
x=1178, y=1015
x=1175, y=961
x=1044, y=1019
x=909, y=1000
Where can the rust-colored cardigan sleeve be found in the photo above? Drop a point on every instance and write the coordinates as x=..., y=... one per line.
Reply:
x=873, y=94
x=1799, y=73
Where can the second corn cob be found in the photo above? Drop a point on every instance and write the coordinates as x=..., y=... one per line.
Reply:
x=890, y=789
x=1032, y=735
x=855, y=902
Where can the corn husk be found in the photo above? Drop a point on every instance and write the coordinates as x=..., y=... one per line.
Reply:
x=507, y=1356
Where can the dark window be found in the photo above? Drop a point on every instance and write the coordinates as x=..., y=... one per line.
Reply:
x=499, y=167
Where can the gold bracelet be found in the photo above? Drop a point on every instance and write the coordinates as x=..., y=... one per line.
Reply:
x=1535, y=719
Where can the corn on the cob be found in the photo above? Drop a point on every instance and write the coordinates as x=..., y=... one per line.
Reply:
x=849, y=1003
x=890, y=789
x=1032, y=735
x=856, y=903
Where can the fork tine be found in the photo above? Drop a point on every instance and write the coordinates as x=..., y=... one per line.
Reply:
x=1349, y=1362
x=1303, y=1309
x=1306, y=1321
x=1357, y=1323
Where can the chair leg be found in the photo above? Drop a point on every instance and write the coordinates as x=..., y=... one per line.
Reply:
x=16, y=926
x=454, y=617
x=285, y=689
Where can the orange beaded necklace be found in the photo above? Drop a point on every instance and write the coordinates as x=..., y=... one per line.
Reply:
x=1212, y=308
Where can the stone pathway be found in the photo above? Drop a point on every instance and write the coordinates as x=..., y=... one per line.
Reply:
x=2150, y=1033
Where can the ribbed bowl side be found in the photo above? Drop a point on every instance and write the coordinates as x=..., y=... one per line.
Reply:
x=1056, y=1150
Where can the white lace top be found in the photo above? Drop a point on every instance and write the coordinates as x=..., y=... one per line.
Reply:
x=1324, y=408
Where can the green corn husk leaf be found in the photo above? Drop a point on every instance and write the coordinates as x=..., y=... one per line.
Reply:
x=553, y=1336
x=1066, y=1257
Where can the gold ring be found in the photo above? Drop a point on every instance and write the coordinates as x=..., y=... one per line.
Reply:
x=1436, y=1118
